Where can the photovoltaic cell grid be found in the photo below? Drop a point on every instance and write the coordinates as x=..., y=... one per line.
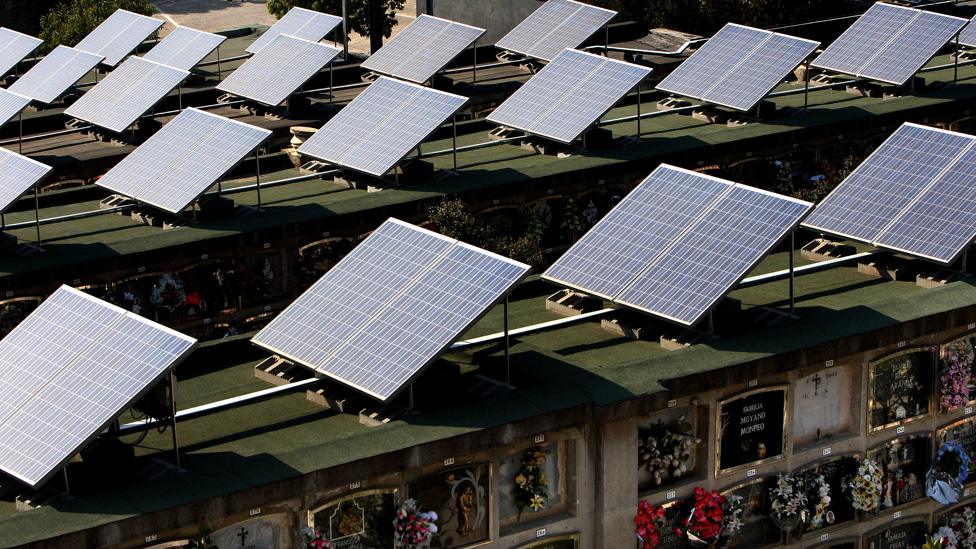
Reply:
x=300, y=23
x=118, y=35
x=889, y=43
x=184, y=48
x=390, y=307
x=183, y=159
x=10, y=105
x=677, y=244
x=553, y=27
x=568, y=95
x=381, y=125
x=967, y=37
x=913, y=194
x=422, y=48
x=53, y=75
x=14, y=47
x=738, y=66
x=18, y=174
x=68, y=370
x=279, y=69
x=126, y=93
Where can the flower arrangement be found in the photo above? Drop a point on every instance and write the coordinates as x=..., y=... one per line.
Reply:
x=202, y=541
x=732, y=521
x=712, y=517
x=412, y=528
x=818, y=493
x=865, y=486
x=315, y=540
x=955, y=378
x=948, y=473
x=667, y=453
x=648, y=522
x=963, y=524
x=787, y=497
x=531, y=486
x=943, y=538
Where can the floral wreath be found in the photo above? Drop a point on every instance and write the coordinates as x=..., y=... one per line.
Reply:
x=964, y=461
x=821, y=515
x=531, y=486
x=865, y=486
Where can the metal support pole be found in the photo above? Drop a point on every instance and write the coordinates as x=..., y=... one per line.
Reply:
x=172, y=408
x=454, y=140
x=508, y=363
x=806, y=87
x=711, y=323
x=257, y=174
x=96, y=74
x=955, y=65
x=410, y=397
x=179, y=96
x=218, y=64
x=345, y=33
x=792, y=273
x=474, y=62
x=606, y=41
x=330, y=81
x=67, y=487
x=638, y=110
x=964, y=261
x=20, y=128
x=37, y=211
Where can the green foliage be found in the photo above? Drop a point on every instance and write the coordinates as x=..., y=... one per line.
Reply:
x=70, y=21
x=454, y=219
x=357, y=11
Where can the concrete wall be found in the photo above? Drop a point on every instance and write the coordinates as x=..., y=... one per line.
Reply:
x=497, y=16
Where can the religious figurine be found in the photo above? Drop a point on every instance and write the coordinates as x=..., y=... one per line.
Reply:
x=888, y=488
x=466, y=509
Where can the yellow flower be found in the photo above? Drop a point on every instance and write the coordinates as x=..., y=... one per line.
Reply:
x=537, y=502
x=521, y=480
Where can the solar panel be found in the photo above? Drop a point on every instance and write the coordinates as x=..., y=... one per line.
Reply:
x=677, y=244
x=118, y=35
x=183, y=159
x=422, y=48
x=14, y=47
x=553, y=27
x=11, y=104
x=53, y=75
x=381, y=125
x=738, y=66
x=184, y=48
x=911, y=194
x=67, y=371
x=390, y=307
x=568, y=95
x=127, y=93
x=300, y=23
x=889, y=43
x=967, y=37
x=279, y=69
x=18, y=173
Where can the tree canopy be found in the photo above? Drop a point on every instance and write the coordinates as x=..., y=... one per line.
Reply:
x=70, y=21
x=357, y=11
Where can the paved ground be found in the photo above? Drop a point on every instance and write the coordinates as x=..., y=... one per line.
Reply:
x=214, y=15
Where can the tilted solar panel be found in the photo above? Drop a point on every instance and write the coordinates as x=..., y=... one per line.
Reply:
x=127, y=93
x=184, y=48
x=967, y=36
x=14, y=47
x=70, y=368
x=53, y=75
x=18, y=173
x=11, y=104
x=568, y=95
x=422, y=48
x=381, y=126
x=553, y=27
x=280, y=68
x=889, y=43
x=300, y=23
x=118, y=35
x=390, y=307
x=183, y=159
x=677, y=244
x=913, y=194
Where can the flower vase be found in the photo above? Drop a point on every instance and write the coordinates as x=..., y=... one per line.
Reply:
x=865, y=516
x=786, y=524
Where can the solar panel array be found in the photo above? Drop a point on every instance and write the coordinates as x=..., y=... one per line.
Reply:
x=280, y=68
x=118, y=35
x=68, y=370
x=889, y=43
x=677, y=243
x=184, y=48
x=553, y=27
x=18, y=174
x=11, y=104
x=14, y=47
x=568, y=95
x=55, y=73
x=967, y=37
x=183, y=159
x=390, y=307
x=381, y=125
x=127, y=93
x=738, y=66
x=913, y=194
x=300, y=23
x=422, y=48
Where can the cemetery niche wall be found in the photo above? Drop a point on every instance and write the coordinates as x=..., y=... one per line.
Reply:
x=363, y=520
x=532, y=483
x=908, y=534
x=670, y=447
x=899, y=387
x=905, y=461
x=964, y=433
x=758, y=528
x=554, y=542
x=751, y=428
x=460, y=497
x=823, y=406
x=962, y=519
x=957, y=372
x=827, y=477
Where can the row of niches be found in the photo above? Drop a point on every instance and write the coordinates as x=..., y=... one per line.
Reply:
x=449, y=508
